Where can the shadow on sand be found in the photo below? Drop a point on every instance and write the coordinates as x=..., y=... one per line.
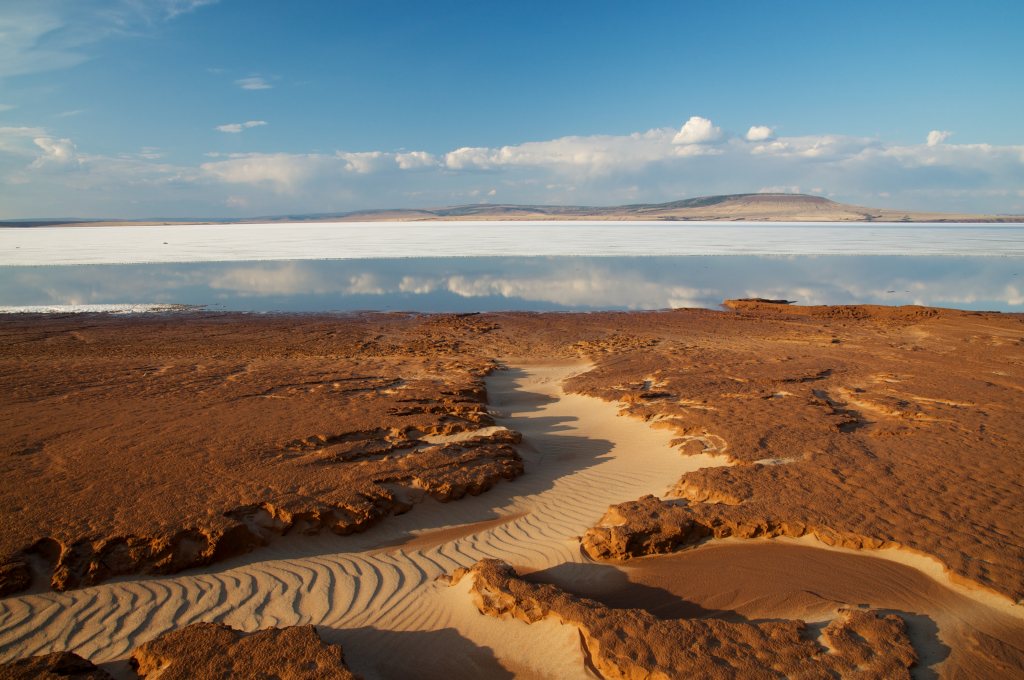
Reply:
x=375, y=653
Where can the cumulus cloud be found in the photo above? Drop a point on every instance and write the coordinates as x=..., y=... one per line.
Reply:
x=936, y=137
x=365, y=162
x=819, y=147
x=253, y=83
x=413, y=160
x=55, y=151
x=235, y=128
x=284, y=173
x=759, y=133
x=697, y=130
x=465, y=157
x=591, y=155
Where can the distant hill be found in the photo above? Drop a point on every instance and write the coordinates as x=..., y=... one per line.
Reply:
x=745, y=207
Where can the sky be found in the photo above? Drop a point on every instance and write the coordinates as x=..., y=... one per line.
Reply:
x=233, y=108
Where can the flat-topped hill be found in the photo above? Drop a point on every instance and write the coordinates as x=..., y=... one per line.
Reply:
x=740, y=207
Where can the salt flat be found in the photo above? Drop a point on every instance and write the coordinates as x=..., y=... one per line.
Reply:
x=374, y=240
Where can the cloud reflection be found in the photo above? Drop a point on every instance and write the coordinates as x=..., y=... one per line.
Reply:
x=534, y=283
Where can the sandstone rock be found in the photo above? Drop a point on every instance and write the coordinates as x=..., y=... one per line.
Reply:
x=632, y=643
x=51, y=667
x=209, y=651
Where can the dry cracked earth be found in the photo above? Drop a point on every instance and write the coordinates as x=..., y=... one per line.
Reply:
x=151, y=445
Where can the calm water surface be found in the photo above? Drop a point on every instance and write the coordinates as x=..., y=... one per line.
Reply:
x=526, y=283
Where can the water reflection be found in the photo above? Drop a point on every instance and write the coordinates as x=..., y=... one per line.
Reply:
x=527, y=283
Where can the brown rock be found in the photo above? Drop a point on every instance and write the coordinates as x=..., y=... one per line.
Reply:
x=162, y=445
x=15, y=576
x=633, y=644
x=153, y=444
x=52, y=666
x=215, y=651
x=905, y=434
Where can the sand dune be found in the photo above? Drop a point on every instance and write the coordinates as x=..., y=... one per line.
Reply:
x=380, y=595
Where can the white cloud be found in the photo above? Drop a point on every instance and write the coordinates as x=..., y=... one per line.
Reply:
x=6, y=107
x=284, y=173
x=414, y=160
x=582, y=170
x=816, y=147
x=759, y=133
x=936, y=137
x=466, y=157
x=365, y=162
x=18, y=140
x=591, y=156
x=697, y=130
x=253, y=83
x=55, y=151
x=235, y=128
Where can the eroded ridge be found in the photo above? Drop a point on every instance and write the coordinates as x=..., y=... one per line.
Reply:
x=52, y=667
x=206, y=651
x=633, y=643
x=152, y=448
x=864, y=427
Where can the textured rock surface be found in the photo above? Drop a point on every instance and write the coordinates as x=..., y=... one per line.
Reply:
x=633, y=644
x=52, y=666
x=209, y=651
x=153, y=444
x=170, y=443
x=868, y=427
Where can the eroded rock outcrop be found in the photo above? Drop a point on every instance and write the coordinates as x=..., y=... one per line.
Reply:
x=155, y=443
x=156, y=447
x=51, y=667
x=633, y=644
x=209, y=651
x=651, y=526
x=867, y=427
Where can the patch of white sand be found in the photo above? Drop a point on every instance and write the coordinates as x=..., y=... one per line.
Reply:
x=372, y=240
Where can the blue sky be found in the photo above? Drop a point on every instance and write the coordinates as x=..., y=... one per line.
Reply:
x=135, y=108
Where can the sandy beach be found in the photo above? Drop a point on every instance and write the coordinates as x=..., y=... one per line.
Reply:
x=541, y=434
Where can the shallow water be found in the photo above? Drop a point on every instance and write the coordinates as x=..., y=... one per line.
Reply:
x=465, y=284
